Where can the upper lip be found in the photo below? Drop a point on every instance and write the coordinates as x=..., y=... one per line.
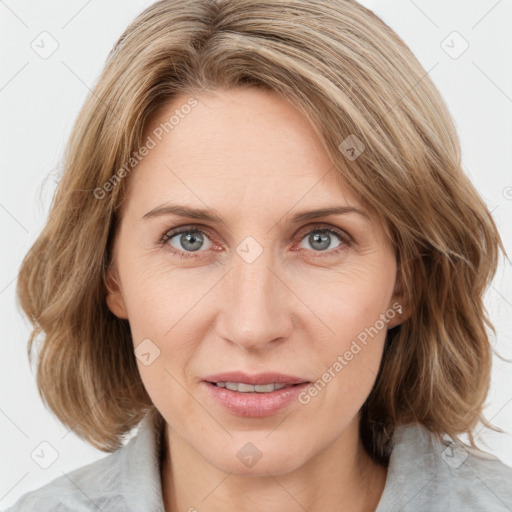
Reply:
x=257, y=379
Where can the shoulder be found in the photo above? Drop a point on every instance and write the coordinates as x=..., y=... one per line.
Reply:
x=428, y=474
x=94, y=486
x=126, y=480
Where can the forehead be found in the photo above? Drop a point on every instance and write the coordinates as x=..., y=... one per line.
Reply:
x=237, y=145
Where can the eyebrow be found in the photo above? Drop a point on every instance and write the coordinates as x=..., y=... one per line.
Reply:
x=213, y=217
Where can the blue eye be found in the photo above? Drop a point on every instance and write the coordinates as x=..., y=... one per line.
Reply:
x=188, y=240
x=321, y=239
x=191, y=241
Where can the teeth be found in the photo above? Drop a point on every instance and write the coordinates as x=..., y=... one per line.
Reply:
x=249, y=388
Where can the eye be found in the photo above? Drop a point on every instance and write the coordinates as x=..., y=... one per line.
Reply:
x=321, y=240
x=186, y=240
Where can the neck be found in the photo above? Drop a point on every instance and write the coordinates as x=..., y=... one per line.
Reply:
x=341, y=477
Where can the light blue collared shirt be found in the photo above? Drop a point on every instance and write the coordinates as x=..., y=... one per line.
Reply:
x=424, y=475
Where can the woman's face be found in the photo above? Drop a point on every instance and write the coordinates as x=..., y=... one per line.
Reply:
x=264, y=289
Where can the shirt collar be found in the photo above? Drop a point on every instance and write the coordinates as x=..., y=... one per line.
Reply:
x=141, y=480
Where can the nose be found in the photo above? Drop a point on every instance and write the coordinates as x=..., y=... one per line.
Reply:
x=256, y=304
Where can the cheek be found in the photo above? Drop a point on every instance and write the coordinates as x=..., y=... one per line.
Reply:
x=158, y=296
x=166, y=314
x=349, y=300
x=353, y=307
x=160, y=307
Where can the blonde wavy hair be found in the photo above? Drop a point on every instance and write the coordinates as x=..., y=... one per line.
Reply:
x=350, y=74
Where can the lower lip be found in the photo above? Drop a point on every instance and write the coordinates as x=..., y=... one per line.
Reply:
x=255, y=405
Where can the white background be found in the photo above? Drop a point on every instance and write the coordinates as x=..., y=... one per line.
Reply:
x=39, y=99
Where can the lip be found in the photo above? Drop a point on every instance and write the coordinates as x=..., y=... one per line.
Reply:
x=254, y=405
x=258, y=379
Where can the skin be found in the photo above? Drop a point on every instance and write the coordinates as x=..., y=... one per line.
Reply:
x=254, y=159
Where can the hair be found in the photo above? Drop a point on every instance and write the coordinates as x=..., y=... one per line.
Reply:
x=350, y=74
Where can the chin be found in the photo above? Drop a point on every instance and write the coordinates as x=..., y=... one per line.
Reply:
x=257, y=459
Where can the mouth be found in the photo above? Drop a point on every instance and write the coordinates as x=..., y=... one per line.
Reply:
x=254, y=395
x=243, y=387
x=258, y=383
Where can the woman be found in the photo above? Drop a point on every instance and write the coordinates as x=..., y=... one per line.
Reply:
x=265, y=252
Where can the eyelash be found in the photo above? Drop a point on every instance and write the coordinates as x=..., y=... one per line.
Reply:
x=346, y=240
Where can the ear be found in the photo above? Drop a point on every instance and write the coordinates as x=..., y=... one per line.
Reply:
x=398, y=303
x=115, y=301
